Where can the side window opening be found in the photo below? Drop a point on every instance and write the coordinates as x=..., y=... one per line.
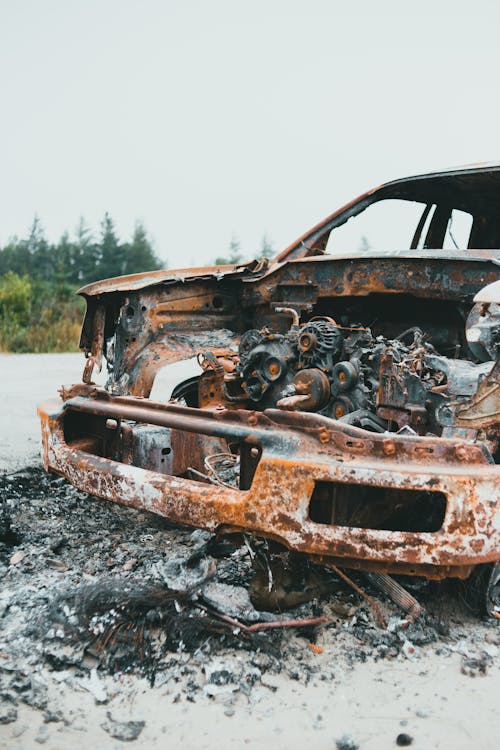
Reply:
x=458, y=230
x=387, y=225
x=396, y=224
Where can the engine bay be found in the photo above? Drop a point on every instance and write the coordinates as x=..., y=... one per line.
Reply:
x=351, y=374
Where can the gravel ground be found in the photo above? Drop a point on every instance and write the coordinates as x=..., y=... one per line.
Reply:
x=94, y=648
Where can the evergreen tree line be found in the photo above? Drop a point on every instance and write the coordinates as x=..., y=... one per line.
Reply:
x=80, y=259
x=39, y=311
x=235, y=254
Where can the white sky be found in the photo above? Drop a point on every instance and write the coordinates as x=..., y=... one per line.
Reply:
x=210, y=118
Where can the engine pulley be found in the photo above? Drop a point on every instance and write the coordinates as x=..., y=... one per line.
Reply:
x=312, y=391
x=344, y=377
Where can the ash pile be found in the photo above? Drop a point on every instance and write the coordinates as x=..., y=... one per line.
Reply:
x=90, y=589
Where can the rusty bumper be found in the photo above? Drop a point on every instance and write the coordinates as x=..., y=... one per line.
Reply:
x=297, y=453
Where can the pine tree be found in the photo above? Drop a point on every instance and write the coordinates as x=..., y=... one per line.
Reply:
x=36, y=236
x=235, y=255
x=266, y=248
x=139, y=254
x=41, y=253
x=64, y=253
x=86, y=267
x=112, y=261
x=15, y=257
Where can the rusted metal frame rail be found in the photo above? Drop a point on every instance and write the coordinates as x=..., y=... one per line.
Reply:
x=180, y=418
x=268, y=427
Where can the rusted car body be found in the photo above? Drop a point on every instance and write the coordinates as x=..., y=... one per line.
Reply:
x=354, y=397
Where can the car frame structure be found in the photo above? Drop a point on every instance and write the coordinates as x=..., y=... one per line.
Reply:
x=347, y=404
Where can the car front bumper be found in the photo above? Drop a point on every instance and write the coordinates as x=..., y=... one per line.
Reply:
x=296, y=452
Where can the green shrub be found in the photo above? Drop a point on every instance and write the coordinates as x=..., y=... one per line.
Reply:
x=38, y=316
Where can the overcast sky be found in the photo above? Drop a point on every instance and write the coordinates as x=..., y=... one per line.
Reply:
x=207, y=119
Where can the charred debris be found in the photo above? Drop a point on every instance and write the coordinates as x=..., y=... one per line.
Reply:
x=92, y=586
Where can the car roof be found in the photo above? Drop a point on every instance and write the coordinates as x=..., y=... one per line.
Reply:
x=469, y=188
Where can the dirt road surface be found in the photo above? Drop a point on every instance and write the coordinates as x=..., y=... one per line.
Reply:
x=348, y=685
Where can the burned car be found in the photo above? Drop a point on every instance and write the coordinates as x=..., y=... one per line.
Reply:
x=347, y=404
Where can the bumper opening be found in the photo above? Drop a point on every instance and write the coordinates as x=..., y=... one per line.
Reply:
x=368, y=507
x=164, y=450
